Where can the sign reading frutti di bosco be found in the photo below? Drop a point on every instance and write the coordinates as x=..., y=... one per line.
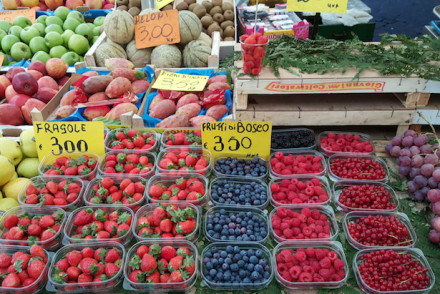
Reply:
x=331, y=86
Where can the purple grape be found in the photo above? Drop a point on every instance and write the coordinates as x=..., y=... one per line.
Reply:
x=434, y=236
x=436, y=174
x=432, y=183
x=435, y=223
x=388, y=148
x=412, y=187
x=425, y=191
x=418, y=195
x=410, y=133
x=434, y=195
x=437, y=152
x=427, y=169
x=405, y=161
x=420, y=140
x=395, y=151
x=420, y=181
x=425, y=149
x=405, y=152
x=435, y=207
x=396, y=141
x=407, y=141
x=415, y=171
x=431, y=158
x=417, y=161
x=414, y=150
x=404, y=170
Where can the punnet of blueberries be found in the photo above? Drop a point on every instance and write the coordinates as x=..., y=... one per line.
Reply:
x=234, y=267
x=254, y=167
x=228, y=192
x=301, y=138
x=232, y=225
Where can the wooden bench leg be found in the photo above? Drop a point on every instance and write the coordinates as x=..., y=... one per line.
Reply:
x=241, y=101
x=417, y=99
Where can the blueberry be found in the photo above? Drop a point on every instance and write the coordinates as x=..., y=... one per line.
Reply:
x=253, y=259
x=212, y=272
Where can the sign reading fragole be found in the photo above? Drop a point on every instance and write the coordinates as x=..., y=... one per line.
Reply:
x=154, y=29
x=249, y=138
x=9, y=15
x=330, y=6
x=180, y=82
x=69, y=137
x=162, y=3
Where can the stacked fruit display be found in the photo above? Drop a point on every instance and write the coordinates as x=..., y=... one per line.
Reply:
x=63, y=35
x=50, y=5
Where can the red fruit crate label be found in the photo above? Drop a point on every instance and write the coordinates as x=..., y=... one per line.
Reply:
x=330, y=6
x=244, y=138
x=156, y=29
x=69, y=137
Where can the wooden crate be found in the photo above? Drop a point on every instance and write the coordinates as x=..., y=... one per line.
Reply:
x=48, y=112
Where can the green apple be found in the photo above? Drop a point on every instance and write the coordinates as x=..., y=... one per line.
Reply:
x=84, y=30
x=91, y=25
x=8, y=41
x=77, y=15
x=2, y=34
x=15, y=30
x=22, y=21
x=38, y=44
x=54, y=28
x=5, y=25
x=28, y=33
x=66, y=36
x=81, y=59
x=28, y=168
x=41, y=56
x=62, y=12
x=71, y=24
x=42, y=19
x=57, y=51
x=40, y=27
x=99, y=21
x=79, y=44
x=70, y=58
x=53, y=39
x=96, y=31
x=94, y=39
x=54, y=20
x=20, y=51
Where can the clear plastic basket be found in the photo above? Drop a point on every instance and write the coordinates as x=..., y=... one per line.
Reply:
x=51, y=244
x=297, y=153
x=148, y=209
x=42, y=181
x=293, y=130
x=332, y=245
x=239, y=156
x=111, y=136
x=151, y=159
x=167, y=133
x=161, y=287
x=372, y=157
x=176, y=150
x=328, y=152
x=352, y=216
x=103, y=286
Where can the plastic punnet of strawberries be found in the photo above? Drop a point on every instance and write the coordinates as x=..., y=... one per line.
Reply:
x=131, y=139
x=254, y=50
x=66, y=166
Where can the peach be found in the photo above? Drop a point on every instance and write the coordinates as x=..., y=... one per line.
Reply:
x=94, y=4
x=56, y=68
x=73, y=4
x=53, y=4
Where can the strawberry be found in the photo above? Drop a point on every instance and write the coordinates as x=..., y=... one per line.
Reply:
x=34, y=230
x=155, y=191
x=5, y=260
x=89, y=266
x=87, y=252
x=137, y=276
x=46, y=221
x=62, y=264
x=74, y=257
x=100, y=254
x=189, y=265
x=15, y=233
x=31, y=189
x=175, y=263
x=11, y=281
x=37, y=250
x=154, y=277
x=164, y=278
x=85, y=278
x=73, y=273
x=197, y=186
x=48, y=234
x=148, y=263
x=10, y=221
x=166, y=164
x=52, y=187
x=107, y=182
x=83, y=217
x=166, y=225
x=112, y=255
x=111, y=269
x=143, y=249
x=35, y=267
x=191, y=159
x=185, y=227
x=177, y=276
x=168, y=252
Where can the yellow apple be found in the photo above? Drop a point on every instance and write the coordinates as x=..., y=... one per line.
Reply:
x=7, y=170
x=11, y=149
x=11, y=4
x=14, y=187
x=27, y=142
x=29, y=3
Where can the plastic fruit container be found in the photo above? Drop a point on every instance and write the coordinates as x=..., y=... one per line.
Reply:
x=218, y=173
x=145, y=174
x=166, y=135
x=178, y=150
x=331, y=245
x=332, y=158
x=69, y=229
x=293, y=130
x=50, y=159
x=168, y=180
x=148, y=209
x=90, y=193
x=254, y=212
x=242, y=285
x=352, y=216
x=161, y=287
x=37, y=285
x=326, y=210
x=102, y=286
x=51, y=244
x=41, y=181
x=219, y=200
x=312, y=153
x=111, y=136
x=328, y=152
x=417, y=254
x=323, y=184
x=338, y=187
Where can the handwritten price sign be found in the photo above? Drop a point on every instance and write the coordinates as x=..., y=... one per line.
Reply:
x=180, y=82
x=9, y=15
x=156, y=29
x=69, y=137
x=162, y=3
x=330, y=6
x=250, y=138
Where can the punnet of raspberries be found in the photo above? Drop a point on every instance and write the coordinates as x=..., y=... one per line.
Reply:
x=298, y=191
x=345, y=142
x=296, y=164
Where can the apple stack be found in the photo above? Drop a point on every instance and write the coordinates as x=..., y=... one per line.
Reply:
x=26, y=89
x=54, y=4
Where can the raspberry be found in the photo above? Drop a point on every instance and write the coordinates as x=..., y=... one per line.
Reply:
x=325, y=262
x=305, y=277
x=338, y=264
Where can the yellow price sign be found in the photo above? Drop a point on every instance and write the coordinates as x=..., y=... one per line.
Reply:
x=330, y=6
x=9, y=15
x=69, y=137
x=248, y=138
x=180, y=82
x=162, y=3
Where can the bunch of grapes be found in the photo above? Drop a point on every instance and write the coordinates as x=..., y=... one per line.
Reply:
x=419, y=161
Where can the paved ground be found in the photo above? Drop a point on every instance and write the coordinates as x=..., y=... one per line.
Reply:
x=401, y=16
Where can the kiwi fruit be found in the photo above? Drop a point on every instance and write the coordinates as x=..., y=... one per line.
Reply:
x=134, y=3
x=121, y=2
x=122, y=7
x=199, y=10
x=226, y=24
x=216, y=9
x=167, y=7
x=229, y=32
x=227, y=6
x=206, y=21
x=134, y=11
x=217, y=2
x=182, y=6
x=214, y=28
x=208, y=5
x=229, y=15
x=218, y=17
x=192, y=6
x=189, y=2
